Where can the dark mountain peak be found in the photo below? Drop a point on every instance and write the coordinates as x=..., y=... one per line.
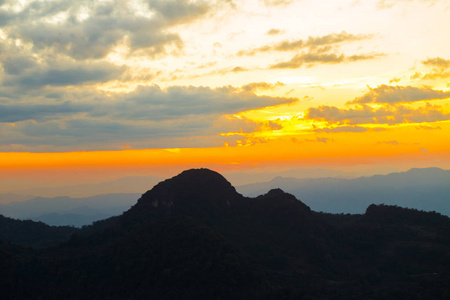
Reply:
x=195, y=192
x=202, y=177
x=195, y=182
x=276, y=193
x=277, y=199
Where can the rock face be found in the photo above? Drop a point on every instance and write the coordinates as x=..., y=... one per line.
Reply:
x=194, y=237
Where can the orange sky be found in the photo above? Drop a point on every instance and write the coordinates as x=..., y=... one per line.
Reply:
x=106, y=89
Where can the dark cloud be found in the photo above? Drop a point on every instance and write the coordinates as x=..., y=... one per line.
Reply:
x=15, y=65
x=64, y=75
x=101, y=134
x=148, y=117
x=95, y=37
x=365, y=114
x=179, y=11
x=101, y=27
x=387, y=94
x=154, y=103
x=145, y=103
x=20, y=112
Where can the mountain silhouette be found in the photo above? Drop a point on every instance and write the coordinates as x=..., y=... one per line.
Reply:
x=194, y=237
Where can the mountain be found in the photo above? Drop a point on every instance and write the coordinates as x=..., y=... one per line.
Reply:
x=194, y=237
x=63, y=211
x=423, y=189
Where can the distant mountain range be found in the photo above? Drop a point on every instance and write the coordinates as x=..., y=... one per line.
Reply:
x=132, y=184
x=60, y=211
x=424, y=189
x=244, y=178
x=14, y=191
x=194, y=237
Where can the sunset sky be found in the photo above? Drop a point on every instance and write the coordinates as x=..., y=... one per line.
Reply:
x=104, y=89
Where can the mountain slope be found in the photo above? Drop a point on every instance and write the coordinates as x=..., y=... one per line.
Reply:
x=32, y=234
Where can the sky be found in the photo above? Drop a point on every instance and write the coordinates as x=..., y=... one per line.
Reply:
x=93, y=90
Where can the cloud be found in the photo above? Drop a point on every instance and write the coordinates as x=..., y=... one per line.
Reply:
x=318, y=139
x=310, y=43
x=387, y=94
x=342, y=129
x=242, y=125
x=386, y=115
x=393, y=142
x=438, y=62
x=427, y=127
x=395, y=80
x=310, y=59
x=439, y=69
x=277, y=2
x=238, y=69
x=335, y=38
x=324, y=140
x=250, y=87
x=273, y=31
x=385, y=4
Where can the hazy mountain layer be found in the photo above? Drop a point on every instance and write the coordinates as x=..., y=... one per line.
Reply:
x=70, y=211
x=423, y=189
